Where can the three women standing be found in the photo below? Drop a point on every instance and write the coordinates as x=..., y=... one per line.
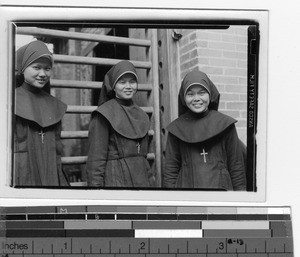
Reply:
x=203, y=150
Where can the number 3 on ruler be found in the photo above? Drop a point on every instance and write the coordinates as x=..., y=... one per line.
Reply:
x=221, y=245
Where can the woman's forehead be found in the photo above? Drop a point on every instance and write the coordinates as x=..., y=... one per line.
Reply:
x=128, y=76
x=196, y=87
x=42, y=60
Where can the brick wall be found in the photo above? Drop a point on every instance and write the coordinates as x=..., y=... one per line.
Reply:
x=222, y=54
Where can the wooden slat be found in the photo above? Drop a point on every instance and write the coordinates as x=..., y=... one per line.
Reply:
x=154, y=58
x=74, y=134
x=74, y=160
x=96, y=61
x=80, y=109
x=59, y=83
x=89, y=109
x=82, y=159
x=50, y=33
x=84, y=134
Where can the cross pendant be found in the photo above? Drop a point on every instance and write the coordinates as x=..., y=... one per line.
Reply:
x=138, y=147
x=204, y=155
x=42, y=134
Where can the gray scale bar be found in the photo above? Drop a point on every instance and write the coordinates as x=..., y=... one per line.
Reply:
x=166, y=224
x=237, y=233
x=281, y=228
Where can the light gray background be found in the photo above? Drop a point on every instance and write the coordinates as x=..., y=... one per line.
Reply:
x=283, y=152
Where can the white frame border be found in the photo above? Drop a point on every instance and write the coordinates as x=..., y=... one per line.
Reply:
x=13, y=13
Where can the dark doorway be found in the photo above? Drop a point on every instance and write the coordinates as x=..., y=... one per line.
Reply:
x=112, y=51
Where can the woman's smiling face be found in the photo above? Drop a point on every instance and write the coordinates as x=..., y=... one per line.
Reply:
x=126, y=86
x=197, y=98
x=38, y=73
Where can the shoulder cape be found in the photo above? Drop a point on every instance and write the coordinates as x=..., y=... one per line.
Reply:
x=129, y=121
x=190, y=129
x=39, y=107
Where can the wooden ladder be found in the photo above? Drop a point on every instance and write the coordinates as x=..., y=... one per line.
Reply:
x=152, y=88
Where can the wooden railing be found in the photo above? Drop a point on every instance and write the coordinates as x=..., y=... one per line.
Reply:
x=153, y=88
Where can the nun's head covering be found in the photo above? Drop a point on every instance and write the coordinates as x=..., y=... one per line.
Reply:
x=28, y=54
x=112, y=77
x=196, y=77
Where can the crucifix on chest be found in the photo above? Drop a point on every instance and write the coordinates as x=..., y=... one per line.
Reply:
x=138, y=145
x=42, y=134
x=204, y=155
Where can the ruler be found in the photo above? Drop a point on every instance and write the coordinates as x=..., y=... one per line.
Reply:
x=138, y=231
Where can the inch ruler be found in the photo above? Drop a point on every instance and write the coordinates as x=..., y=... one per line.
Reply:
x=114, y=231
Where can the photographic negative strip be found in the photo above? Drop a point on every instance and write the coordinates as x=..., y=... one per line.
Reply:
x=166, y=53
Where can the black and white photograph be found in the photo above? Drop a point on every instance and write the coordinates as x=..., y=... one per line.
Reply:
x=150, y=104
x=106, y=113
x=149, y=127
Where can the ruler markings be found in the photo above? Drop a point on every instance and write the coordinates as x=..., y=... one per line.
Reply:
x=182, y=246
x=279, y=242
x=265, y=246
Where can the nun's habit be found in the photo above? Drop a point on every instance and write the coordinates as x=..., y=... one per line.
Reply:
x=203, y=149
x=118, y=141
x=37, y=144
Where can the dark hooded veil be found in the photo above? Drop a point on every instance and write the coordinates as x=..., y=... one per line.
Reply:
x=32, y=103
x=26, y=55
x=193, y=127
x=200, y=78
x=111, y=77
x=126, y=118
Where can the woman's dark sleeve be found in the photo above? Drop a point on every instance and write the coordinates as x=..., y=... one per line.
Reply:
x=97, y=150
x=59, y=145
x=62, y=175
x=172, y=162
x=235, y=160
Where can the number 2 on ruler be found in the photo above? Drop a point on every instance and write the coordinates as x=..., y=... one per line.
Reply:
x=143, y=244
